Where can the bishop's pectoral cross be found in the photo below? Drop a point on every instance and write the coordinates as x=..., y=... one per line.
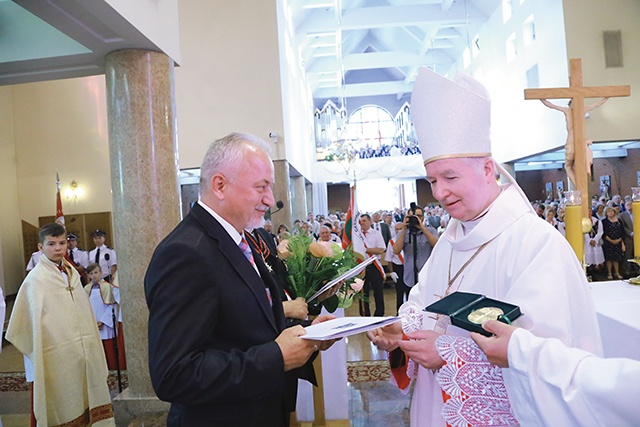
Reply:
x=578, y=157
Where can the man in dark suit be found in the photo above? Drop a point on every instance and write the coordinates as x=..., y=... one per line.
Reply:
x=381, y=226
x=219, y=349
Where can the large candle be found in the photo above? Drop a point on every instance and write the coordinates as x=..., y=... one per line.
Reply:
x=573, y=227
x=636, y=229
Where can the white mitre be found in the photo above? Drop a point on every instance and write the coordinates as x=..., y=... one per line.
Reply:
x=452, y=118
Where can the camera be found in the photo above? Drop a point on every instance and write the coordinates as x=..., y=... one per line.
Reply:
x=413, y=224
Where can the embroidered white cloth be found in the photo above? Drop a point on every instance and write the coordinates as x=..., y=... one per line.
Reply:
x=478, y=396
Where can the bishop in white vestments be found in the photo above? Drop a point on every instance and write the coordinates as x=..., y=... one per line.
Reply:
x=495, y=245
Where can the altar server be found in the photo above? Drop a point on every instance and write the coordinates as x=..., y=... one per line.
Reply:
x=52, y=325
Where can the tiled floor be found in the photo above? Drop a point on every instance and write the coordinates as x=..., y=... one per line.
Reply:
x=372, y=403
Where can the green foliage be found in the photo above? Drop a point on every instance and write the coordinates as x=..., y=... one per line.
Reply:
x=308, y=273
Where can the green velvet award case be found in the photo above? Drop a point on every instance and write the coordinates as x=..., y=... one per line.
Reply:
x=459, y=305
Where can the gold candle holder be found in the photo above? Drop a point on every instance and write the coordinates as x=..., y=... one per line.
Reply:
x=635, y=202
x=573, y=222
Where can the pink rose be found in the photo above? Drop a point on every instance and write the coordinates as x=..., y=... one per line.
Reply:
x=357, y=284
x=321, y=249
x=283, y=249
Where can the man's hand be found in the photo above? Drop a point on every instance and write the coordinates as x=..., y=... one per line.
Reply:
x=295, y=309
x=496, y=347
x=330, y=292
x=386, y=338
x=422, y=349
x=326, y=344
x=295, y=350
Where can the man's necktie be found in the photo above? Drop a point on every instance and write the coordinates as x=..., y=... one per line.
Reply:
x=97, y=261
x=71, y=256
x=246, y=250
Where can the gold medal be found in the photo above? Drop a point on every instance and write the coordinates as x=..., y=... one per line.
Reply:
x=485, y=313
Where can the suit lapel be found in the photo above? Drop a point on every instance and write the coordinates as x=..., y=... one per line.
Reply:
x=237, y=261
x=274, y=289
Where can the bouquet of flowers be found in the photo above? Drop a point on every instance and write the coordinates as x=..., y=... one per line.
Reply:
x=312, y=264
x=349, y=291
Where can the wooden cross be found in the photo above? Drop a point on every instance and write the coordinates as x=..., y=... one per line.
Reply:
x=574, y=114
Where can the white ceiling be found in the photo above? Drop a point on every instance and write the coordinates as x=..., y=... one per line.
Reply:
x=369, y=48
x=57, y=39
x=555, y=159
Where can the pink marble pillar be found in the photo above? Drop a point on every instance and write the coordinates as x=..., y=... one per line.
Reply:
x=146, y=199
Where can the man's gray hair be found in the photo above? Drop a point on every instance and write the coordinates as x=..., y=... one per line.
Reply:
x=478, y=164
x=226, y=153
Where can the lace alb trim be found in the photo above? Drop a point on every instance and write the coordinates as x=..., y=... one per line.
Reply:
x=477, y=390
x=411, y=322
x=411, y=319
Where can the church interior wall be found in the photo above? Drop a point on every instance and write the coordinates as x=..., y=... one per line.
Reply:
x=621, y=170
x=297, y=144
x=533, y=182
x=338, y=197
x=157, y=20
x=391, y=103
x=585, y=22
x=11, y=266
x=61, y=127
x=520, y=128
x=229, y=76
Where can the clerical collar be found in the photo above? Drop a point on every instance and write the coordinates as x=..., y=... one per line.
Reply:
x=231, y=230
x=468, y=226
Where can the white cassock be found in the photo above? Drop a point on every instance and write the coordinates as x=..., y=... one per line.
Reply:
x=104, y=311
x=594, y=254
x=571, y=387
x=525, y=262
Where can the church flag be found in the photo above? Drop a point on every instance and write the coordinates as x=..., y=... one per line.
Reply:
x=346, y=230
x=59, y=214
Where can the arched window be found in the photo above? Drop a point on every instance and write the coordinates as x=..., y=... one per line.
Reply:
x=371, y=126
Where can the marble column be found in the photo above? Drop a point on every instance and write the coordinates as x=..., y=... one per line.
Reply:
x=299, y=198
x=146, y=198
x=308, y=191
x=282, y=191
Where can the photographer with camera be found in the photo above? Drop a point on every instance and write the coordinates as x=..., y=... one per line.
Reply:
x=416, y=243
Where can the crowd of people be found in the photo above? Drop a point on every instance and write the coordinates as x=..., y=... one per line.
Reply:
x=609, y=244
x=385, y=150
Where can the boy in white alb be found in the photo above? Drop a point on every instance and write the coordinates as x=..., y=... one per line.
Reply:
x=52, y=325
x=105, y=300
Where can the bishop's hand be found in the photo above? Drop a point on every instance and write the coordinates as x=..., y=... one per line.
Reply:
x=387, y=337
x=421, y=348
